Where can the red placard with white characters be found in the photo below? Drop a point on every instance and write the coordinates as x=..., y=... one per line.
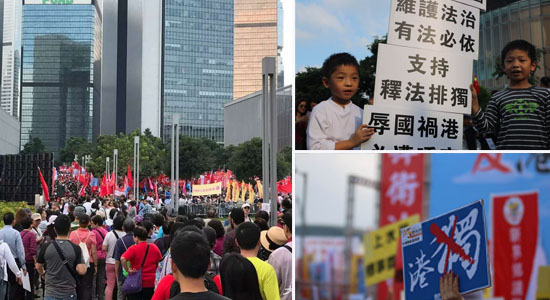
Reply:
x=401, y=196
x=515, y=240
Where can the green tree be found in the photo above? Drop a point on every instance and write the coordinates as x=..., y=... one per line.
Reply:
x=246, y=161
x=309, y=85
x=196, y=156
x=34, y=145
x=284, y=163
x=75, y=146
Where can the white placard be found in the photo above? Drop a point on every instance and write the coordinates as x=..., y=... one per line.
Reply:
x=58, y=2
x=422, y=79
x=412, y=129
x=439, y=25
x=26, y=281
x=481, y=4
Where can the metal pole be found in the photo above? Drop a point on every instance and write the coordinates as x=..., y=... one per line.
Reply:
x=177, y=163
x=174, y=163
x=107, y=166
x=269, y=141
x=115, y=165
x=136, y=168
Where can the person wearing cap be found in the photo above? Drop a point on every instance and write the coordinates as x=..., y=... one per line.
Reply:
x=78, y=212
x=36, y=219
x=270, y=240
x=281, y=259
x=246, y=209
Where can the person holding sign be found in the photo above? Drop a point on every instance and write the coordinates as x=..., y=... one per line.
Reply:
x=520, y=114
x=336, y=124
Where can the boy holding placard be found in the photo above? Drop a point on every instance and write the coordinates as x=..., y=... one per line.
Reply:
x=520, y=114
x=336, y=124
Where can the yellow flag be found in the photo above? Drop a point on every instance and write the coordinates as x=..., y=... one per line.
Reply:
x=236, y=191
x=228, y=193
x=243, y=191
x=250, y=194
x=260, y=189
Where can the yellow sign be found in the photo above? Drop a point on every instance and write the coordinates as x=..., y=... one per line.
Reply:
x=207, y=189
x=381, y=248
x=543, y=289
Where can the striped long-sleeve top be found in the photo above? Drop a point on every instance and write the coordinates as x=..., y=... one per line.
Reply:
x=519, y=118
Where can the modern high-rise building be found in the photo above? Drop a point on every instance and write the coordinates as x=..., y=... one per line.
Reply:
x=61, y=45
x=11, y=57
x=197, y=65
x=509, y=20
x=255, y=38
x=131, y=72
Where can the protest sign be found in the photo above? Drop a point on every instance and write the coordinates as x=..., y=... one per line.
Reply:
x=516, y=239
x=412, y=129
x=481, y=4
x=422, y=79
x=440, y=25
x=207, y=189
x=455, y=241
x=381, y=248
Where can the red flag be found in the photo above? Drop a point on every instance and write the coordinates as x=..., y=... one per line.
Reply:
x=44, y=186
x=150, y=184
x=157, y=193
x=103, y=190
x=129, y=176
x=516, y=245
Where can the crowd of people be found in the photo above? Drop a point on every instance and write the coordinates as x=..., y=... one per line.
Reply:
x=106, y=248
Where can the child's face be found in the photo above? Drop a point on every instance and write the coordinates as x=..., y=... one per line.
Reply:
x=518, y=66
x=343, y=83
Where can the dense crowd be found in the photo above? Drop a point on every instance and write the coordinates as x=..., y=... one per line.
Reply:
x=117, y=248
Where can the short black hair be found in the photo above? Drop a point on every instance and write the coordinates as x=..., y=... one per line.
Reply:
x=239, y=277
x=98, y=220
x=129, y=225
x=210, y=235
x=519, y=45
x=262, y=214
x=141, y=233
x=62, y=225
x=190, y=253
x=112, y=213
x=158, y=220
x=117, y=222
x=247, y=235
x=26, y=222
x=237, y=215
x=287, y=218
x=166, y=227
x=261, y=223
x=336, y=60
x=84, y=219
x=217, y=226
x=8, y=218
x=148, y=225
x=286, y=204
x=545, y=81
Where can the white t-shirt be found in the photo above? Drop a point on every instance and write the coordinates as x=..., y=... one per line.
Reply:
x=88, y=207
x=110, y=242
x=330, y=123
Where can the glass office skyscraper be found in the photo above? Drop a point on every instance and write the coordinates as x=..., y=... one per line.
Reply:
x=506, y=21
x=60, y=45
x=197, y=65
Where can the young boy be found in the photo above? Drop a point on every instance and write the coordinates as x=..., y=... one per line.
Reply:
x=520, y=114
x=336, y=124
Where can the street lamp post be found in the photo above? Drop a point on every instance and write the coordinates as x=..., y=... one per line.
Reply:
x=115, y=165
x=174, y=163
x=136, y=168
x=269, y=140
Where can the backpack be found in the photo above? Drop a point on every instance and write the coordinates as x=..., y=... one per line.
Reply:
x=84, y=248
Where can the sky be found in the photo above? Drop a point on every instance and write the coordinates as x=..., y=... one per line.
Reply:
x=324, y=27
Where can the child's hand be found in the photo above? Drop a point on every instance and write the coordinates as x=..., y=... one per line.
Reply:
x=363, y=134
x=475, y=103
x=448, y=287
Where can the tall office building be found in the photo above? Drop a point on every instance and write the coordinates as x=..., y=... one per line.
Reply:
x=510, y=20
x=131, y=70
x=61, y=44
x=255, y=38
x=198, y=65
x=11, y=57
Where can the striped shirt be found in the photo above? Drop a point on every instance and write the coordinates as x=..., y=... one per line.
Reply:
x=519, y=118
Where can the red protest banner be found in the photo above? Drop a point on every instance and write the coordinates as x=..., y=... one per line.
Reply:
x=401, y=196
x=514, y=243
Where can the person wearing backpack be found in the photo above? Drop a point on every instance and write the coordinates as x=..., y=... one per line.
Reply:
x=85, y=239
x=98, y=291
x=144, y=258
x=64, y=263
x=281, y=260
x=109, y=247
